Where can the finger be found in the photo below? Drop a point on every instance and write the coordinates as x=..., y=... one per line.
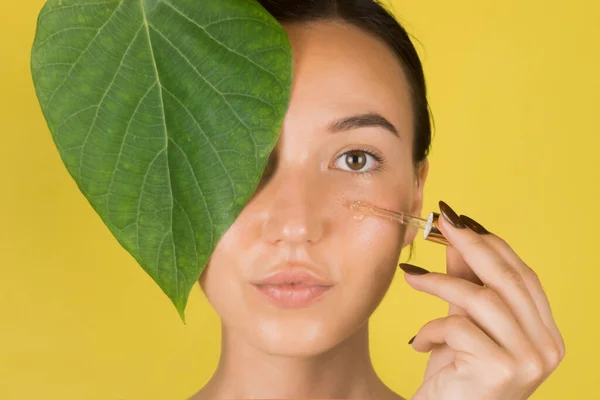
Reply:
x=495, y=272
x=483, y=305
x=461, y=335
x=457, y=267
x=440, y=356
x=534, y=285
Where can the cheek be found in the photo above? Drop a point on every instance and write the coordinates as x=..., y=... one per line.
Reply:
x=373, y=237
x=220, y=280
x=371, y=257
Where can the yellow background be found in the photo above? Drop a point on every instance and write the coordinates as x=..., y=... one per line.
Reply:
x=515, y=91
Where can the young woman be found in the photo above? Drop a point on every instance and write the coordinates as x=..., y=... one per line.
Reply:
x=358, y=128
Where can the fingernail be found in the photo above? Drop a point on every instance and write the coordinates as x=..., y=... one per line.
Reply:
x=412, y=340
x=451, y=216
x=413, y=269
x=473, y=225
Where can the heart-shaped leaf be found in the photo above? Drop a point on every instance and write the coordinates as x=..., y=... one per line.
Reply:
x=164, y=113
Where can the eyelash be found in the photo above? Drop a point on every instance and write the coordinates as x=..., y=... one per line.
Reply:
x=381, y=160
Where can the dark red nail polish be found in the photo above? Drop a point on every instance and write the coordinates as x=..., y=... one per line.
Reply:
x=413, y=269
x=412, y=340
x=473, y=225
x=451, y=216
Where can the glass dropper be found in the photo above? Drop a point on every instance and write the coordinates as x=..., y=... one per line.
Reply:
x=429, y=225
x=402, y=218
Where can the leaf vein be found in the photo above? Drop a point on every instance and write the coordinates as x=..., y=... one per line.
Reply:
x=74, y=28
x=158, y=254
x=72, y=116
x=249, y=96
x=207, y=139
x=220, y=21
x=83, y=52
x=167, y=3
x=137, y=232
x=112, y=179
x=185, y=157
x=187, y=217
x=93, y=124
x=100, y=3
x=162, y=104
x=213, y=87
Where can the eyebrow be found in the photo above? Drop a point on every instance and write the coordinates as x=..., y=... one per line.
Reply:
x=363, y=121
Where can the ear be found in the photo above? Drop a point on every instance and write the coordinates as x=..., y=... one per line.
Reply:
x=421, y=172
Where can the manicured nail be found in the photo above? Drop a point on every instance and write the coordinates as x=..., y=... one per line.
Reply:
x=473, y=225
x=451, y=216
x=412, y=340
x=413, y=269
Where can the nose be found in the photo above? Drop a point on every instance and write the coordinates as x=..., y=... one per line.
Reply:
x=294, y=210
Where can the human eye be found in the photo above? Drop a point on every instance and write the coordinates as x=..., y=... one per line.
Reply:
x=361, y=161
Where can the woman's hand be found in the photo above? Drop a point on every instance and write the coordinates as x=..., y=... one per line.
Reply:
x=499, y=340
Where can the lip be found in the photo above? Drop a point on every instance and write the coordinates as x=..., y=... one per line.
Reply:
x=293, y=287
x=295, y=275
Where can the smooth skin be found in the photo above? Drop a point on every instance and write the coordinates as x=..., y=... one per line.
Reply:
x=498, y=342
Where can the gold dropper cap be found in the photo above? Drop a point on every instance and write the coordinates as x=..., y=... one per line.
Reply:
x=432, y=233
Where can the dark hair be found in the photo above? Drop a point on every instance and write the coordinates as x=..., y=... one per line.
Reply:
x=372, y=17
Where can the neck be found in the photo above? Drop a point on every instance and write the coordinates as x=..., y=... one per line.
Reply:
x=344, y=371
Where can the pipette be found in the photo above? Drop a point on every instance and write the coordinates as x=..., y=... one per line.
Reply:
x=429, y=225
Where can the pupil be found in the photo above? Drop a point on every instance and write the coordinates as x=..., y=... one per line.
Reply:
x=356, y=160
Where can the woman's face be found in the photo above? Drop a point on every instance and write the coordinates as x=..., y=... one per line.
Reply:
x=328, y=155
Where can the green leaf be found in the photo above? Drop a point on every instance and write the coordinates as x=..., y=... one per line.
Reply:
x=164, y=113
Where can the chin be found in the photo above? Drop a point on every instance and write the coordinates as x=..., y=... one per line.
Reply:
x=298, y=336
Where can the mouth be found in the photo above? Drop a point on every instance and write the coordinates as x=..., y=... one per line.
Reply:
x=293, y=288
x=293, y=295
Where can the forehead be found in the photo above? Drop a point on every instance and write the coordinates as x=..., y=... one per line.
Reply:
x=339, y=69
